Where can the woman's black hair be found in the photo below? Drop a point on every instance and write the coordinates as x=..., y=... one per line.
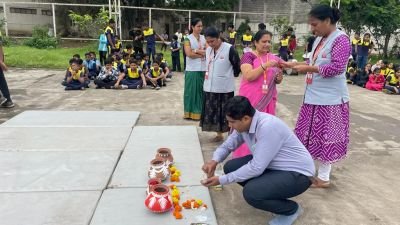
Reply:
x=239, y=107
x=262, y=26
x=257, y=37
x=211, y=32
x=323, y=12
x=193, y=23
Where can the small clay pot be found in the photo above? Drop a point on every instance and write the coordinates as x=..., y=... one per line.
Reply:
x=151, y=182
x=159, y=199
x=166, y=154
x=158, y=169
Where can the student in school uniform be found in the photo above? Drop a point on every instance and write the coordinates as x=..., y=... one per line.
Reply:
x=376, y=81
x=109, y=32
x=354, y=43
x=133, y=78
x=247, y=40
x=108, y=76
x=232, y=35
x=145, y=63
x=392, y=83
x=283, y=49
x=118, y=44
x=156, y=76
x=129, y=50
x=175, y=54
x=96, y=62
x=75, y=78
x=364, y=48
x=150, y=36
x=90, y=66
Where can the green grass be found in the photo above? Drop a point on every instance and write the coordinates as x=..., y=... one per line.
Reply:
x=26, y=57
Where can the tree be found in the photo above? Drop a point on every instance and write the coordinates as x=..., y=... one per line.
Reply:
x=379, y=17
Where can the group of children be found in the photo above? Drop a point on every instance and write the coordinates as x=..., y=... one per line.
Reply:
x=382, y=76
x=121, y=70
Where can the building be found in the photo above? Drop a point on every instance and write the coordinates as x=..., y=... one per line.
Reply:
x=21, y=18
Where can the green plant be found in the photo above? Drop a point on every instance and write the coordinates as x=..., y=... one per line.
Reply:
x=243, y=27
x=87, y=25
x=280, y=24
x=40, y=38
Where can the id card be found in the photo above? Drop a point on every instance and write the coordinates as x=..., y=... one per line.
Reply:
x=264, y=88
x=309, y=78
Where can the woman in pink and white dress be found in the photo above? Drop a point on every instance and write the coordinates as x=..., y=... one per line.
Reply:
x=260, y=77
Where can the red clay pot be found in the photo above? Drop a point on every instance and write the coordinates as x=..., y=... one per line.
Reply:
x=159, y=199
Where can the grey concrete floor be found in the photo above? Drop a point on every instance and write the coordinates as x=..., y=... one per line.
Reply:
x=364, y=189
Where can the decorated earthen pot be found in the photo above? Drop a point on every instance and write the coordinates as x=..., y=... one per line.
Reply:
x=166, y=154
x=151, y=182
x=159, y=199
x=158, y=169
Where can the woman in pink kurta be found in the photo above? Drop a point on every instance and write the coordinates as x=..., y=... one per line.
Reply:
x=260, y=76
x=376, y=81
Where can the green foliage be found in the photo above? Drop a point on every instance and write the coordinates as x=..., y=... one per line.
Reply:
x=87, y=25
x=243, y=27
x=40, y=38
x=225, y=5
x=381, y=18
x=280, y=24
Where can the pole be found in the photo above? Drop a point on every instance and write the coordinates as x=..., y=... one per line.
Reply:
x=53, y=8
x=190, y=19
x=5, y=18
x=119, y=19
x=149, y=17
x=109, y=9
x=234, y=20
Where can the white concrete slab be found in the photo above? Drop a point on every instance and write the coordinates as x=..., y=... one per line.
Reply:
x=48, y=208
x=63, y=138
x=141, y=149
x=126, y=207
x=174, y=137
x=56, y=171
x=73, y=119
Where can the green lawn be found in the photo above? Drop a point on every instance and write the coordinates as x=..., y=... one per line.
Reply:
x=26, y=57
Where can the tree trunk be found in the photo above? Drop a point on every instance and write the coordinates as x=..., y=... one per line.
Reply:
x=386, y=45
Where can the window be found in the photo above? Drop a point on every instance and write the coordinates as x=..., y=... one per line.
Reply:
x=23, y=11
x=47, y=12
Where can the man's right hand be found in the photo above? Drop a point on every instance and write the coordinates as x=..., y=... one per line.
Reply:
x=209, y=168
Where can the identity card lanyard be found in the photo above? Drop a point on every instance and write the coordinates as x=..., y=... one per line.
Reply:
x=264, y=86
x=309, y=75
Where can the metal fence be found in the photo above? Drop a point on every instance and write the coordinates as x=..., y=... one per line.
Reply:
x=21, y=17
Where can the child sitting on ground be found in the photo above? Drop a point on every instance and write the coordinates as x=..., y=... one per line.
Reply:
x=156, y=76
x=118, y=44
x=351, y=72
x=108, y=76
x=392, y=83
x=96, y=62
x=145, y=63
x=75, y=79
x=129, y=50
x=90, y=65
x=164, y=67
x=375, y=81
x=133, y=78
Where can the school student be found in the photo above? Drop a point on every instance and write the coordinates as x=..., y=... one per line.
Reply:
x=108, y=76
x=129, y=50
x=118, y=44
x=364, y=48
x=156, y=76
x=102, y=48
x=375, y=81
x=392, y=83
x=133, y=78
x=75, y=78
x=145, y=63
x=175, y=53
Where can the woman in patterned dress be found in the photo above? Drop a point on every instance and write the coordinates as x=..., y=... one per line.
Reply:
x=323, y=122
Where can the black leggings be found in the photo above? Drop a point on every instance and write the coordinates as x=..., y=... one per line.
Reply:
x=270, y=191
x=3, y=86
x=103, y=57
